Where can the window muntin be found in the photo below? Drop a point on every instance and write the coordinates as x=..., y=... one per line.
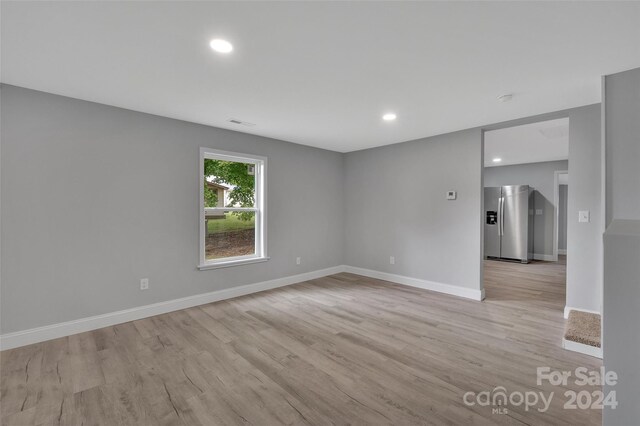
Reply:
x=232, y=213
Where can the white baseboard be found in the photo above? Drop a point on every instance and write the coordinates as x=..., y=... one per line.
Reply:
x=582, y=348
x=545, y=257
x=468, y=293
x=568, y=309
x=54, y=331
x=562, y=251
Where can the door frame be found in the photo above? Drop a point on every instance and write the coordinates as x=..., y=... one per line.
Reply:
x=556, y=206
x=503, y=125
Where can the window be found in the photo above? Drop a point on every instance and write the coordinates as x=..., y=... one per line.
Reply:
x=232, y=209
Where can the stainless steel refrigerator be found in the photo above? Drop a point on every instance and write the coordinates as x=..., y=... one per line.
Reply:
x=508, y=222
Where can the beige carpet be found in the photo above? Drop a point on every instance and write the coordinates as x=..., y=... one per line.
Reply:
x=583, y=327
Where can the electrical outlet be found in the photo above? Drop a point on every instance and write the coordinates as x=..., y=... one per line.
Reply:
x=392, y=260
x=144, y=284
x=298, y=260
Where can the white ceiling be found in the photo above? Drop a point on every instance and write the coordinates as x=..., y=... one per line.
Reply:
x=323, y=73
x=529, y=143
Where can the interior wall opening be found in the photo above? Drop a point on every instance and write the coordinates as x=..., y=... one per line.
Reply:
x=526, y=184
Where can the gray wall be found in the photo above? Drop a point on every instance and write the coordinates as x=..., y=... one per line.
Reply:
x=563, y=195
x=96, y=197
x=584, y=240
x=621, y=339
x=621, y=316
x=622, y=95
x=396, y=206
x=541, y=177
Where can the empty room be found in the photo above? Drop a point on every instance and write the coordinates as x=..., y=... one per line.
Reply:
x=315, y=213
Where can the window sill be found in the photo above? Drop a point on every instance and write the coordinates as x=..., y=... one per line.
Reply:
x=227, y=264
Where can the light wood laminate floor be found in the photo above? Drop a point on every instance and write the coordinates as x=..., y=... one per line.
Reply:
x=337, y=350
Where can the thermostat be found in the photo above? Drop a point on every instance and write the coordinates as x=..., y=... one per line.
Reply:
x=452, y=195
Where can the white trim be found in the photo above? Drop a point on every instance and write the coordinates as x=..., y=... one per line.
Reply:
x=213, y=210
x=556, y=208
x=603, y=200
x=237, y=261
x=545, y=257
x=562, y=252
x=570, y=345
x=469, y=293
x=482, y=214
x=568, y=309
x=54, y=331
x=217, y=154
x=260, y=207
x=202, y=226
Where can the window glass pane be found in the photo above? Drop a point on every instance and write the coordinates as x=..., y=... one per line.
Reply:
x=229, y=234
x=229, y=184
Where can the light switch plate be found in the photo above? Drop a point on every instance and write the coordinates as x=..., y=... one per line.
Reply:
x=538, y=212
x=584, y=216
x=452, y=195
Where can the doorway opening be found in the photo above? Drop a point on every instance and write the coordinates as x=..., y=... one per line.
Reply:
x=526, y=183
x=561, y=200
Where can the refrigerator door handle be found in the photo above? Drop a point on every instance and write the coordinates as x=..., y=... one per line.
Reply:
x=500, y=214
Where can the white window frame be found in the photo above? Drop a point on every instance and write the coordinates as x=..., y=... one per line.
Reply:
x=259, y=208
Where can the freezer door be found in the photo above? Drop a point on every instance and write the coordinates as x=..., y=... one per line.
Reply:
x=515, y=222
x=491, y=222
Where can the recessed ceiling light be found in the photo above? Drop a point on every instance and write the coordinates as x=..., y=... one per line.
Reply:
x=505, y=98
x=497, y=160
x=389, y=117
x=220, y=45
